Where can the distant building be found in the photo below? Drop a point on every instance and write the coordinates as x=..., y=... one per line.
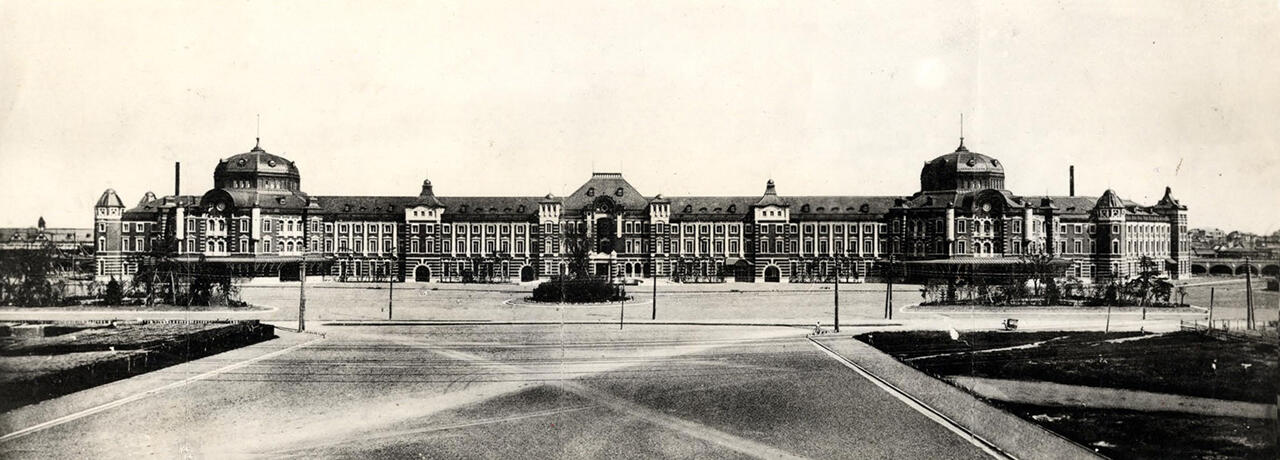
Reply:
x=73, y=247
x=257, y=221
x=74, y=240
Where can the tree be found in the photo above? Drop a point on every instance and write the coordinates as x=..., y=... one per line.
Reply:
x=114, y=294
x=25, y=276
x=1038, y=267
x=579, y=249
x=1144, y=285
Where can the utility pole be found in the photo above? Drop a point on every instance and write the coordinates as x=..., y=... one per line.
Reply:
x=391, y=286
x=653, y=272
x=622, y=312
x=1248, y=294
x=888, y=291
x=1211, y=289
x=302, y=270
x=837, y=298
x=302, y=293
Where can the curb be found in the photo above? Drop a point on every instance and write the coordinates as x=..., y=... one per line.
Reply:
x=465, y=322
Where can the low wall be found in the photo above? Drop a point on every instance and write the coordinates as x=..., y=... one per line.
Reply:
x=152, y=356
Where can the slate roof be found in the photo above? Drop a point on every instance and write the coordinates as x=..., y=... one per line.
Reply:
x=479, y=208
x=839, y=207
x=714, y=208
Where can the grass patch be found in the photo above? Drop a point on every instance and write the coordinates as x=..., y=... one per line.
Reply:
x=913, y=344
x=1134, y=434
x=1185, y=363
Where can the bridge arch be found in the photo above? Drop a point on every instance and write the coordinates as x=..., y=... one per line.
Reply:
x=1199, y=269
x=1221, y=270
x=1249, y=267
x=1271, y=270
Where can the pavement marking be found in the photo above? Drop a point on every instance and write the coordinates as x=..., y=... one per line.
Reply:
x=430, y=429
x=694, y=429
x=138, y=396
x=919, y=406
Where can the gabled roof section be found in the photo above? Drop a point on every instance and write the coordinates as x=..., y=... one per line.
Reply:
x=606, y=184
x=770, y=197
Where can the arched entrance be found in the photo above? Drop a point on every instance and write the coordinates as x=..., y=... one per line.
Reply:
x=422, y=273
x=772, y=275
x=1221, y=270
x=526, y=273
x=1246, y=268
x=1271, y=270
x=1197, y=269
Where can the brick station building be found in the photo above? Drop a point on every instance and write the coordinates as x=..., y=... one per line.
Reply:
x=256, y=221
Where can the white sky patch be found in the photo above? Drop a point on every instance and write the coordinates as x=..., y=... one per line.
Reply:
x=931, y=73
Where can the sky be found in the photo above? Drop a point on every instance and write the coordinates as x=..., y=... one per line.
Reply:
x=693, y=98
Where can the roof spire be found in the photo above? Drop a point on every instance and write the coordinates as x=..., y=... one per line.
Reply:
x=961, y=148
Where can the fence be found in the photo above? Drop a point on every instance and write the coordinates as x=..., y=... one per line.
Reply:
x=1233, y=328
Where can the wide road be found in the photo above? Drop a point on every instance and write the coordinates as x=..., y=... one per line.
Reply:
x=522, y=391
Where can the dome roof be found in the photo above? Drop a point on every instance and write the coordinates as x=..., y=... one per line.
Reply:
x=109, y=199
x=257, y=161
x=962, y=170
x=1109, y=199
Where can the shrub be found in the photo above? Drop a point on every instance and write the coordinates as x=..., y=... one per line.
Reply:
x=585, y=290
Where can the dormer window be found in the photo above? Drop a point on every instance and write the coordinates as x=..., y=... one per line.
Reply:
x=591, y=191
x=618, y=192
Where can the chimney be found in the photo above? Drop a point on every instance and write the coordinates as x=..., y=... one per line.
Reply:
x=1072, y=179
x=177, y=179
